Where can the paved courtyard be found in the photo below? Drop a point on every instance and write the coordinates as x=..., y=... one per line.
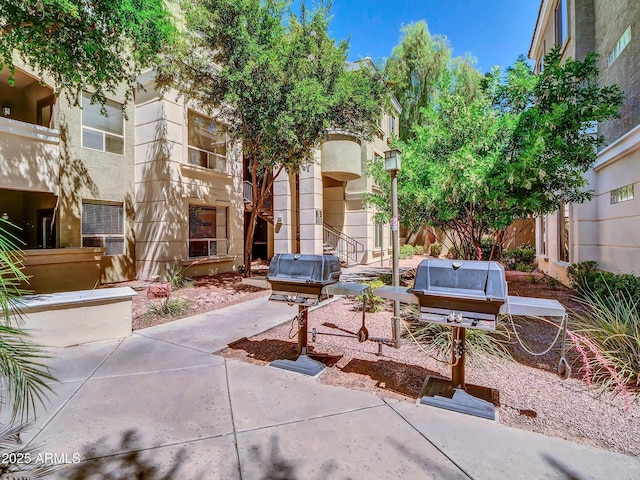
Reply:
x=161, y=404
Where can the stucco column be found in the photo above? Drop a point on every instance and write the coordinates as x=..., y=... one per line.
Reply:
x=283, y=216
x=311, y=215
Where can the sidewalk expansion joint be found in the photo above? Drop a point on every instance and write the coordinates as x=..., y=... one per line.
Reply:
x=175, y=344
x=133, y=374
x=233, y=420
x=155, y=447
x=319, y=417
x=460, y=467
x=64, y=404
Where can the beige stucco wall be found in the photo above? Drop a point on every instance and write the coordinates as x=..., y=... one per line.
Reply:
x=165, y=186
x=599, y=230
x=91, y=175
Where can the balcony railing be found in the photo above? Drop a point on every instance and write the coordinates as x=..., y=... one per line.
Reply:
x=29, y=156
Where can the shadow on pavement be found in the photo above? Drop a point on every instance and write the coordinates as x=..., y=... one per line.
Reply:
x=136, y=464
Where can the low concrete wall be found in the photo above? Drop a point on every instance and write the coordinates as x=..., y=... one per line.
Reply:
x=62, y=269
x=71, y=318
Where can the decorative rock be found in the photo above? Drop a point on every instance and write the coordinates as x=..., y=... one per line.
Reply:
x=160, y=290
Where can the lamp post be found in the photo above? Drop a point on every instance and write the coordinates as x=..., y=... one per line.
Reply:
x=392, y=165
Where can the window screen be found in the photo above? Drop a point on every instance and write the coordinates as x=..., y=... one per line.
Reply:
x=103, y=226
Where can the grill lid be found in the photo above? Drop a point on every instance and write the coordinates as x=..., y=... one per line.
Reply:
x=307, y=269
x=467, y=281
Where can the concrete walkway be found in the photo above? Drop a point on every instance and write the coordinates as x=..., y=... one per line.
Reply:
x=162, y=405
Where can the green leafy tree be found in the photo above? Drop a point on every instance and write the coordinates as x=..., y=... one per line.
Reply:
x=518, y=146
x=84, y=44
x=277, y=81
x=414, y=70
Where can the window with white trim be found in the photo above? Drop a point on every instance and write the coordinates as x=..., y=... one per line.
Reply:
x=103, y=226
x=208, y=231
x=378, y=233
x=620, y=45
x=622, y=194
x=392, y=126
x=99, y=131
x=207, y=142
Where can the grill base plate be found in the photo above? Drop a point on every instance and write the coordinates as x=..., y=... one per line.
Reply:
x=472, y=400
x=303, y=364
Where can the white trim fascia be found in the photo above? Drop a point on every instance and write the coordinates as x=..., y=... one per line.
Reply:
x=541, y=22
x=622, y=147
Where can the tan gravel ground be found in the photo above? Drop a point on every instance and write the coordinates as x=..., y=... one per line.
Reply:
x=531, y=394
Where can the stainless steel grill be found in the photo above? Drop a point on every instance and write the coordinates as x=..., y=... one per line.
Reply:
x=460, y=293
x=467, y=294
x=300, y=279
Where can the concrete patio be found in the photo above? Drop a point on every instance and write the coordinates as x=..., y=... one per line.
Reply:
x=161, y=404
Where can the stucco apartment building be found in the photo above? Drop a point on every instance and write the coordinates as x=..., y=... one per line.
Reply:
x=606, y=229
x=322, y=210
x=159, y=187
x=128, y=195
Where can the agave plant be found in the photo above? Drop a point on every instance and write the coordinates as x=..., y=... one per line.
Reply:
x=23, y=375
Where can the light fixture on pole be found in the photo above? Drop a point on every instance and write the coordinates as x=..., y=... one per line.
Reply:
x=392, y=165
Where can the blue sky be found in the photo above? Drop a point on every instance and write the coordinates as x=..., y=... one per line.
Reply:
x=495, y=32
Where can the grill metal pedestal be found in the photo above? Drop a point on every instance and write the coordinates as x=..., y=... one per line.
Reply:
x=454, y=394
x=302, y=363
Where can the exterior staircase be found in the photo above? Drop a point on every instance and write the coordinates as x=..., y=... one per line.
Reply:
x=341, y=245
x=266, y=212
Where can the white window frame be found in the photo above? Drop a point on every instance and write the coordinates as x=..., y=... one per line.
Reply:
x=562, y=27
x=215, y=245
x=378, y=235
x=103, y=236
x=621, y=44
x=103, y=133
x=622, y=194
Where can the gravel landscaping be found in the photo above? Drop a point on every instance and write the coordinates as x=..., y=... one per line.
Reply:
x=531, y=394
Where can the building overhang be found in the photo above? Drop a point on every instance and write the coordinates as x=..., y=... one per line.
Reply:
x=538, y=32
x=621, y=148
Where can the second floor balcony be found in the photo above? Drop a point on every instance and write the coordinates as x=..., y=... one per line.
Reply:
x=342, y=157
x=29, y=146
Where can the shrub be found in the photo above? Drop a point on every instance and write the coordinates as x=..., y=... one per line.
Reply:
x=477, y=342
x=524, y=267
x=607, y=335
x=525, y=255
x=419, y=250
x=588, y=281
x=175, y=275
x=486, y=247
x=169, y=307
x=579, y=273
x=406, y=251
x=553, y=283
x=435, y=249
x=374, y=303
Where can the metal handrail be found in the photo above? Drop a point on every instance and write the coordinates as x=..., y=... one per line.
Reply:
x=346, y=248
x=247, y=195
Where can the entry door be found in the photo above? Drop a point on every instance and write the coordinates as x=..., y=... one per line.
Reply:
x=46, y=229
